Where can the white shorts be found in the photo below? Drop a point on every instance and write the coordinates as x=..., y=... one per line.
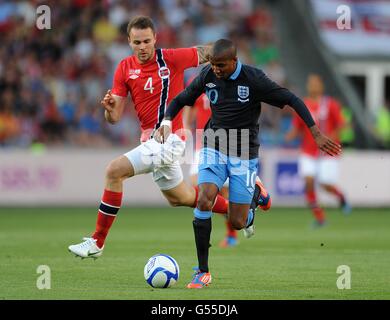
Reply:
x=194, y=167
x=160, y=159
x=324, y=169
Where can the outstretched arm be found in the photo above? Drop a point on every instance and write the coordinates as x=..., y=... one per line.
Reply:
x=161, y=134
x=273, y=94
x=323, y=142
x=185, y=98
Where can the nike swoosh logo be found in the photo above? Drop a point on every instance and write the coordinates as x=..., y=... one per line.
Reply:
x=92, y=253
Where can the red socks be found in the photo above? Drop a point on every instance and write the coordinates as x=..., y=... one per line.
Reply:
x=311, y=198
x=196, y=188
x=111, y=202
x=230, y=231
x=318, y=213
x=221, y=205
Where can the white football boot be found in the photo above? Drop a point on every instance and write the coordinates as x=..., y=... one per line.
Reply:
x=249, y=231
x=86, y=249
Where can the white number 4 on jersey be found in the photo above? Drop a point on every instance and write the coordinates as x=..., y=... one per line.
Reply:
x=149, y=85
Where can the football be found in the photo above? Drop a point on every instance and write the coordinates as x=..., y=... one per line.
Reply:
x=161, y=271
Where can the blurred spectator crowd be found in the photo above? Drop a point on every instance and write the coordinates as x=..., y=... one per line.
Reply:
x=52, y=81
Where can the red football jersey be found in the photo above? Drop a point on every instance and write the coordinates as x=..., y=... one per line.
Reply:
x=154, y=84
x=328, y=117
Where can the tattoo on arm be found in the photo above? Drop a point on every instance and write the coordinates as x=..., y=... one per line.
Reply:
x=203, y=53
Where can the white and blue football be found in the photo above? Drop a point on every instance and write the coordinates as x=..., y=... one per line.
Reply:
x=161, y=271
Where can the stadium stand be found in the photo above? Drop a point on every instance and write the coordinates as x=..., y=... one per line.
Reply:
x=51, y=81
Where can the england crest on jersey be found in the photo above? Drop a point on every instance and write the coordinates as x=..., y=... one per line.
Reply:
x=243, y=93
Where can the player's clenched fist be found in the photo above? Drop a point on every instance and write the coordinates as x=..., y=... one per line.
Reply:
x=108, y=101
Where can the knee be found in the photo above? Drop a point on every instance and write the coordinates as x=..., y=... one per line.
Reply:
x=327, y=187
x=174, y=202
x=113, y=171
x=309, y=186
x=205, y=203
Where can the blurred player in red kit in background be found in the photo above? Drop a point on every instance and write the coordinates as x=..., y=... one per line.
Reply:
x=315, y=165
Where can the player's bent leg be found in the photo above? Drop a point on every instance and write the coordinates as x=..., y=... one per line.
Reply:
x=230, y=240
x=202, y=230
x=231, y=237
x=238, y=215
x=181, y=195
x=328, y=174
x=209, y=184
x=311, y=199
x=117, y=171
x=242, y=194
x=308, y=169
x=207, y=194
x=260, y=198
x=343, y=203
x=242, y=217
x=169, y=179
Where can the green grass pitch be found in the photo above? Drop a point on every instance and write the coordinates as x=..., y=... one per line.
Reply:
x=286, y=259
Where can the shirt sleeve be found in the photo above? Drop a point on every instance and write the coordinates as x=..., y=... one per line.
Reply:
x=186, y=97
x=119, y=86
x=183, y=58
x=270, y=92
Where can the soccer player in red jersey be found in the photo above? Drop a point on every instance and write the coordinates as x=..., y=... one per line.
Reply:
x=313, y=163
x=153, y=77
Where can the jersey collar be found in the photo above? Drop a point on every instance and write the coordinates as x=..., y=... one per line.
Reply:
x=236, y=73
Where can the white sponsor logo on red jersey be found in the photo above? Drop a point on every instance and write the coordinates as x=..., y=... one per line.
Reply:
x=134, y=73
